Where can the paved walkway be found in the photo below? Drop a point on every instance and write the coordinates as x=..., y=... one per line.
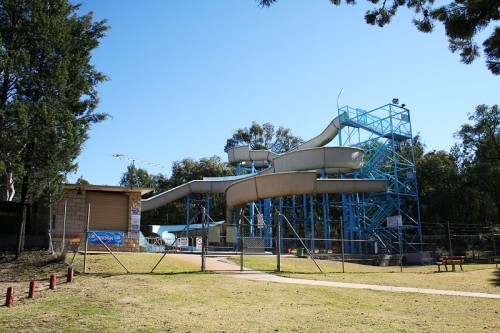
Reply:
x=224, y=266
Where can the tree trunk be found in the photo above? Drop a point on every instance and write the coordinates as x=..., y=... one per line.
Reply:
x=22, y=216
x=9, y=187
x=25, y=185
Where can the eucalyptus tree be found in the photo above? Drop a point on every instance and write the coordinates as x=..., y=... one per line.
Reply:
x=440, y=185
x=48, y=92
x=138, y=177
x=478, y=156
x=264, y=137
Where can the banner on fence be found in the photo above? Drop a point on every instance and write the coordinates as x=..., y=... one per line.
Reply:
x=107, y=237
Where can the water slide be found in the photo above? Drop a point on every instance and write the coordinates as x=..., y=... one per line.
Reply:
x=290, y=173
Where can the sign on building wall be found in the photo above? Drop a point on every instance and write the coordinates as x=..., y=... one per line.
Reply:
x=107, y=237
x=134, y=234
x=135, y=221
x=135, y=218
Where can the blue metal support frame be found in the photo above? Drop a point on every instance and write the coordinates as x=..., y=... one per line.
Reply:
x=385, y=135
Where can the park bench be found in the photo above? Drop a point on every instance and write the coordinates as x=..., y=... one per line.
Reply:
x=450, y=260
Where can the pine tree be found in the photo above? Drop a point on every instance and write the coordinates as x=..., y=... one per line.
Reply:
x=47, y=92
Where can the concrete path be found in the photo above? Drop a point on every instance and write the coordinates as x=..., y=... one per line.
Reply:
x=224, y=266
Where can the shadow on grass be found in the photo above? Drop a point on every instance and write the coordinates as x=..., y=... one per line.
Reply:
x=108, y=275
x=496, y=277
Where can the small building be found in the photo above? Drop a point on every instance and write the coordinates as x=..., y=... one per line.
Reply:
x=112, y=214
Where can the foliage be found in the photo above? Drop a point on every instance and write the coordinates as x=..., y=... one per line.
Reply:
x=439, y=185
x=478, y=157
x=138, y=177
x=462, y=186
x=183, y=172
x=264, y=137
x=47, y=91
x=82, y=181
x=463, y=20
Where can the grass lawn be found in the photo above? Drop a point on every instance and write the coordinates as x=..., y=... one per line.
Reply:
x=482, y=278
x=178, y=298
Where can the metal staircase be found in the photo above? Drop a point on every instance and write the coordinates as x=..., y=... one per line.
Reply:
x=385, y=135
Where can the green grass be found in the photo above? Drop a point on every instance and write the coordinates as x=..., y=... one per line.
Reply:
x=180, y=299
x=474, y=278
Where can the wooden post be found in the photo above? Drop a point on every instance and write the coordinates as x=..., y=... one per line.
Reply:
x=63, y=245
x=69, y=277
x=342, y=244
x=278, y=242
x=31, y=293
x=203, y=239
x=86, y=241
x=494, y=245
x=451, y=249
x=400, y=236
x=53, y=282
x=10, y=297
x=241, y=239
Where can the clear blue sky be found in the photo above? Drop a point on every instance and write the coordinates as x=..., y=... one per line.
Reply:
x=184, y=75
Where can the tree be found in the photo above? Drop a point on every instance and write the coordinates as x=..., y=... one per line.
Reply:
x=138, y=177
x=264, y=137
x=47, y=92
x=439, y=186
x=462, y=20
x=479, y=156
x=82, y=181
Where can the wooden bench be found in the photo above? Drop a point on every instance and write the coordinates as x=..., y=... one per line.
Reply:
x=450, y=260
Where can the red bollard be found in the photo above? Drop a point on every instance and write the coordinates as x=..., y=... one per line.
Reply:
x=53, y=281
x=32, y=289
x=10, y=297
x=70, y=275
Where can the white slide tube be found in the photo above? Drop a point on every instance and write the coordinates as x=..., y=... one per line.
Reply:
x=294, y=183
x=325, y=137
x=195, y=186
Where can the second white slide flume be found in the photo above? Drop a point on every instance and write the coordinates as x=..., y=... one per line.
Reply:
x=294, y=183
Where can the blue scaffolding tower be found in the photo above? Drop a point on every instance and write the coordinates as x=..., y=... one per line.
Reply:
x=391, y=219
x=375, y=223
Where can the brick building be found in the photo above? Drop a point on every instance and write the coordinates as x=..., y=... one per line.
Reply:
x=114, y=217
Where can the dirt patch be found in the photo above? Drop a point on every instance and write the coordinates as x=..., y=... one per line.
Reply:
x=32, y=265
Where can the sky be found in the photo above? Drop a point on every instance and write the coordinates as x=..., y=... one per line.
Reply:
x=185, y=75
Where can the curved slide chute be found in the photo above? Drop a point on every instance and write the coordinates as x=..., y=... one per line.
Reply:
x=242, y=154
x=195, y=186
x=333, y=159
x=245, y=154
x=325, y=137
x=294, y=183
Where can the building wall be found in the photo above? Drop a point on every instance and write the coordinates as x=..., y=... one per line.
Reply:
x=76, y=221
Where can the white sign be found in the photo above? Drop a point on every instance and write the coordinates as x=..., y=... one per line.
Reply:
x=394, y=221
x=199, y=243
x=134, y=234
x=135, y=218
x=260, y=220
x=183, y=241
